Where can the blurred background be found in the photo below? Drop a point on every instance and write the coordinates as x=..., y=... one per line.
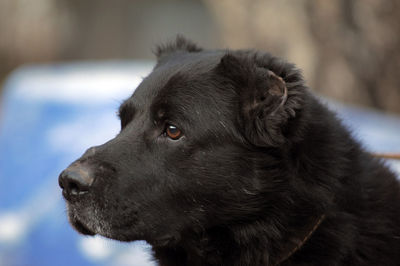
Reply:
x=66, y=65
x=348, y=49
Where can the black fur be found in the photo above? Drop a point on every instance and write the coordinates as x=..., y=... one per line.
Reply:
x=253, y=168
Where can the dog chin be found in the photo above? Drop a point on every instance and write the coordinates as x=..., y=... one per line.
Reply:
x=81, y=228
x=78, y=224
x=88, y=227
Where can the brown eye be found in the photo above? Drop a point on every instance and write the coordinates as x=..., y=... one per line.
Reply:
x=173, y=132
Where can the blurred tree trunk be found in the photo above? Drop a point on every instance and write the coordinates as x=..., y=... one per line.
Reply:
x=54, y=30
x=348, y=49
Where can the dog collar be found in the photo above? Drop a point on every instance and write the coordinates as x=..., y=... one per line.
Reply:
x=296, y=243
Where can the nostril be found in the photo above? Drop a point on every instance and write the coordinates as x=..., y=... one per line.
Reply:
x=73, y=188
x=77, y=188
x=74, y=182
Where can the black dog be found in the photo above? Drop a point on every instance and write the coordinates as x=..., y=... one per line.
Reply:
x=226, y=158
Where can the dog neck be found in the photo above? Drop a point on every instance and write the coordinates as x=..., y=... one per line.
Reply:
x=216, y=248
x=296, y=242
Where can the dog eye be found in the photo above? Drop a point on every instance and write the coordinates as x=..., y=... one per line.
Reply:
x=173, y=132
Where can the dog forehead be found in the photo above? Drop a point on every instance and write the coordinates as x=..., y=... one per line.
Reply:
x=180, y=74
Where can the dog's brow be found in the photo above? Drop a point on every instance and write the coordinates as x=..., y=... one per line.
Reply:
x=126, y=108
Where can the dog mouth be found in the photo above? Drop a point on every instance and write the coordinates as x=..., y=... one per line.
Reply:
x=81, y=228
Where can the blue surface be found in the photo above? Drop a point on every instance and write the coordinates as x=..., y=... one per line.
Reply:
x=50, y=114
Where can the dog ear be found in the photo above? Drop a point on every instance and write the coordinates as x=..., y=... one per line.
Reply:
x=267, y=100
x=180, y=44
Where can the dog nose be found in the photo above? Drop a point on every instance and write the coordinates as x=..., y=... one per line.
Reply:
x=75, y=181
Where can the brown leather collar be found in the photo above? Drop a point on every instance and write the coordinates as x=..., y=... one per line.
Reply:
x=297, y=242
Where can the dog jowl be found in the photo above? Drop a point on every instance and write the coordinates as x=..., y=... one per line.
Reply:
x=226, y=158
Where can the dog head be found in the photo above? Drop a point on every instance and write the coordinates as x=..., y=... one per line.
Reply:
x=202, y=144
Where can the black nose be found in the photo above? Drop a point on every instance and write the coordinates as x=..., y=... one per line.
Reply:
x=75, y=181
